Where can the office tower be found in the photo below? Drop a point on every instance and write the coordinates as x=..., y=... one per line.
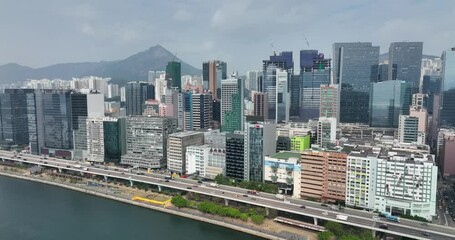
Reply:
x=431, y=85
x=283, y=143
x=178, y=106
x=174, y=75
x=160, y=87
x=329, y=101
x=216, y=114
x=176, y=149
x=151, y=108
x=123, y=94
x=205, y=161
x=232, y=94
x=408, y=58
x=447, y=154
x=136, y=95
x=353, y=70
x=146, y=141
x=295, y=93
x=273, y=68
x=13, y=116
x=198, y=111
x=448, y=88
x=360, y=178
x=326, y=132
x=323, y=175
x=260, y=101
x=252, y=80
x=283, y=169
x=388, y=100
x=235, y=164
x=212, y=74
x=57, y=120
x=315, y=71
x=114, y=130
x=260, y=140
x=35, y=119
x=408, y=129
x=383, y=72
x=418, y=109
x=406, y=183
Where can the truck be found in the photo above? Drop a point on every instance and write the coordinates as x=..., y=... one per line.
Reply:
x=279, y=196
x=77, y=166
x=342, y=217
x=214, y=185
x=85, y=169
x=253, y=192
x=392, y=218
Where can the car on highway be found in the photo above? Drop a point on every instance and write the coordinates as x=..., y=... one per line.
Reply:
x=222, y=192
x=303, y=207
x=45, y=162
x=324, y=205
x=167, y=180
x=245, y=195
x=325, y=213
x=68, y=166
x=140, y=173
x=426, y=234
x=424, y=224
x=383, y=226
x=189, y=187
x=105, y=168
x=199, y=181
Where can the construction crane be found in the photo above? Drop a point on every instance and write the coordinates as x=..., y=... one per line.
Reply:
x=273, y=48
x=306, y=40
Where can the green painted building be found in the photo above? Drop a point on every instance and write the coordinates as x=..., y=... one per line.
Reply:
x=232, y=94
x=299, y=143
x=174, y=74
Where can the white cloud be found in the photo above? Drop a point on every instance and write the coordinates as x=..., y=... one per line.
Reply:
x=182, y=15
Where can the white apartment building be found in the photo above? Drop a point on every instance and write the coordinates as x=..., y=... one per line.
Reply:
x=177, y=144
x=406, y=184
x=284, y=168
x=95, y=139
x=361, y=179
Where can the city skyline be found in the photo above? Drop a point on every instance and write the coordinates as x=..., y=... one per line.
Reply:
x=78, y=32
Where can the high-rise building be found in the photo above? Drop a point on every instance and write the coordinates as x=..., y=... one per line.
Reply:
x=252, y=80
x=212, y=74
x=431, y=85
x=136, y=95
x=388, y=100
x=146, y=140
x=35, y=117
x=95, y=139
x=448, y=88
x=300, y=143
x=323, y=175
x=326, y=134
x=260, y=140
x=13, y=116
x=232, y=109
x=178, y=107
x=360, y=178
x=354, y=67
x=383, y=72
x=283, y=143
x=447, y=154
x=176, y=149
x=112, y=91
x=276, y=75
x=114, y=131
x=408, y=58
x=260, y=104
x=198, y=111
x=235, y=158
x=205, y=160
x=329, y=105
x=408, y=129
x=406, y=184
x=57, y=122
x=315, y=70
x=174, y=75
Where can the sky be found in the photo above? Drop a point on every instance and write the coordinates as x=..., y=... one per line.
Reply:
x=240, y=32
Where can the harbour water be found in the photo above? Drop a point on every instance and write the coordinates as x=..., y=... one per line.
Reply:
x=35, y=211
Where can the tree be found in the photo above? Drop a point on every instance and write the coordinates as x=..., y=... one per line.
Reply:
x=257, y=219
x=326, y=235
x=179, y=201
x=335, y=228
x=243, y=217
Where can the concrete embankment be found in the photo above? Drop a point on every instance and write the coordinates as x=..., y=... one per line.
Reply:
x=157, y=208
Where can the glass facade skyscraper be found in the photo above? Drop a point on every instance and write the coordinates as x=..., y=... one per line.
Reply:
x=431, y=85
x=315, y=71
x=114, y=139
x=136, y=95
x=407, y=56
x=448, y=88
x=57, y=122
x=389, y=100
x=354, y=68
x=212, y=74
x=232, y=95
x=174, y=75
x=235, y=164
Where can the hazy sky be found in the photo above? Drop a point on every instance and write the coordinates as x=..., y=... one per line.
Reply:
x=45, y=32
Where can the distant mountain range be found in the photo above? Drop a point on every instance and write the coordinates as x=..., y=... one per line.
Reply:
x=385, y=56
x=133, y=68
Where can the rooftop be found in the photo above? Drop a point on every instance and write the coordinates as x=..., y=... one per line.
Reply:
x=286, y=155
x=185, y=134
